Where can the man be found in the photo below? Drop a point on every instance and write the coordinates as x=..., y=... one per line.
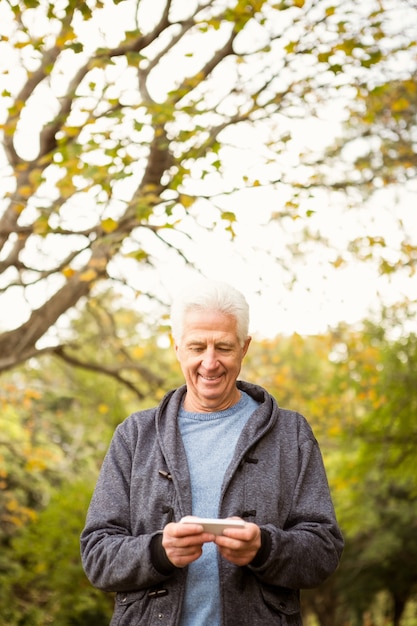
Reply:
x=214, y=448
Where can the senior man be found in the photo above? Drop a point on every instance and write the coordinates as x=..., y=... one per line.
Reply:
x=220, y=448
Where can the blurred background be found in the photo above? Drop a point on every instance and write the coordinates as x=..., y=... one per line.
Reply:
x=268, y=144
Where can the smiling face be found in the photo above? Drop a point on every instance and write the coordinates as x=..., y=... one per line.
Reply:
x=210, y=356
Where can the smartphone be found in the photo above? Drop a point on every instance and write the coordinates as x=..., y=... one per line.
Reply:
x=213, y=525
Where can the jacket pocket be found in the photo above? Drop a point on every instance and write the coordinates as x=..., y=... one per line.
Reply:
x=284, y=601
x=129, y=609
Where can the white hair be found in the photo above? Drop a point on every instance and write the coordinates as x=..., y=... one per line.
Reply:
x=210, y=295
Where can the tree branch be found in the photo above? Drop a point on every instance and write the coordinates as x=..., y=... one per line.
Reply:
x=114, y=373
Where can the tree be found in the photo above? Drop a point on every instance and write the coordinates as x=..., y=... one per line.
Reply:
x=119, y=115
x=114, y=340
x=377, y=492
x=376, y=148
x=383, y=122
x=380, y=559
x=357, y=387
x=47, y=583
x=55, y=426
x=29, y=457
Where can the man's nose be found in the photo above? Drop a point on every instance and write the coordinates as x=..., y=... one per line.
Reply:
x=210, y=359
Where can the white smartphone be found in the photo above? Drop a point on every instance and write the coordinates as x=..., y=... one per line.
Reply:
x=213, y=525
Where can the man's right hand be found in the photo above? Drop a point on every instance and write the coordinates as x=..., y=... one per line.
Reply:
x=183, y=543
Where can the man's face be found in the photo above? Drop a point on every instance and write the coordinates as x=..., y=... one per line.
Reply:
x=210, y=356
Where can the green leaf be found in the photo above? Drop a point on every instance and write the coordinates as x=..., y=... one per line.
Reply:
x=76, y=47
x=229, y=216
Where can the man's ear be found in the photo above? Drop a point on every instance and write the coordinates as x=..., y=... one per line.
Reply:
x=176, y=348
x=174, y=345
x=246, y=345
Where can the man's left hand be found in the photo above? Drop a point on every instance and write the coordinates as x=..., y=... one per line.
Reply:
x=239, y=545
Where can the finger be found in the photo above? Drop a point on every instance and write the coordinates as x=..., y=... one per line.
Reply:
x=177, y=529
x=186, y=543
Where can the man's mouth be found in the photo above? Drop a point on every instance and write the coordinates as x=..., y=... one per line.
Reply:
x=209, y=378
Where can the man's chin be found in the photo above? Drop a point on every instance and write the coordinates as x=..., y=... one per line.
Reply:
x=211, y=398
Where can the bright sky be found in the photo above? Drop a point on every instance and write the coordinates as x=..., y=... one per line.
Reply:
x=253, y=262
x=320, y=297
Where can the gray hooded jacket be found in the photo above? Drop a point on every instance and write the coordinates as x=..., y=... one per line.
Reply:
x=276, y=479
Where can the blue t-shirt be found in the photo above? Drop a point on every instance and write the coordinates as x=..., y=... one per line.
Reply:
x=210, y=440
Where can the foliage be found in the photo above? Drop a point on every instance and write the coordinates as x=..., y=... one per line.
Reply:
x=31, y=455
x=112, y=339
x=381, y=557
x=376, y=468
x=376, y=148
x=357, y=388
x=49, y=586
x=56, y=423
x=117, y=117
x=297, y=370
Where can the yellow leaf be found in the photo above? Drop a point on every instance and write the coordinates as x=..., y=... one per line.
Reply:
x=25, y=191
x=88, y=275
x=12, y=505
x=186, y=201
x=338, y=262
x=109, y=225
x=68, y=272
x=35, y=465
x=290, y=47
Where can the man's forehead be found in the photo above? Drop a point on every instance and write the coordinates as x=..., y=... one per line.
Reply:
x=218, y=320
x=210, y=326
x=203, y=335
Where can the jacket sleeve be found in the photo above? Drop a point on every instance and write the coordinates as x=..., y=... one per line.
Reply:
x=308, y=548
x=114, y=559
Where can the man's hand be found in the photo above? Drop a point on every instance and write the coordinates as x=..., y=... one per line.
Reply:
x=239, y=545
x=183, y=543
